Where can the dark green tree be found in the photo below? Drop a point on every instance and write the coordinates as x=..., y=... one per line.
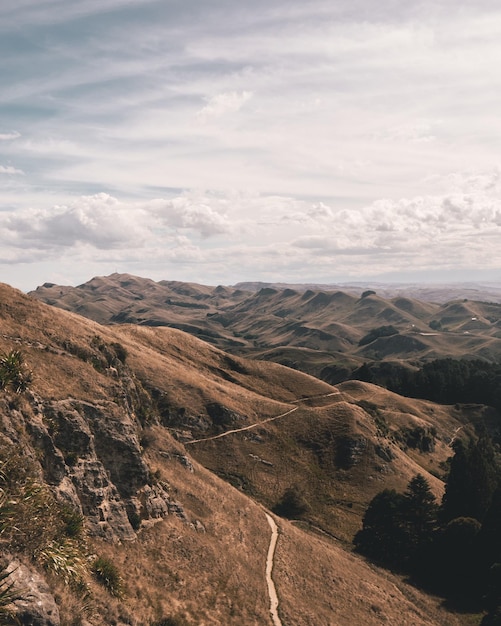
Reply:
x=490, y=534
x=493, y=596
x=291, y=505
x=420, y=510
x=456, y=570
x=398, y=528
x=383, y=536
x=420, y=522
x=472, y=481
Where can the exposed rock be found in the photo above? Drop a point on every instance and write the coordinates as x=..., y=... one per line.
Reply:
x=349, y=450
x=222, y=416
x=117, y=445
x=198, y=526
x=101, y=503
x=52, y=459
x=384, y=452
x=185, y=462
x=91, y=456
x=38, y=607
x=154, y=502
x=176, y=508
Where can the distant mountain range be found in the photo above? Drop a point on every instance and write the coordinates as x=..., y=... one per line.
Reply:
x=325, y=333
x=156, y=457
x=440, y=293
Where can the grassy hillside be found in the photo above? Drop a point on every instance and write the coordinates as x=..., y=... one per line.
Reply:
x=121, y=516
x=324, y=333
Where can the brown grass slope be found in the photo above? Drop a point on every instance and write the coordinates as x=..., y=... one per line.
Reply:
x=338, y=451
x=205, y=561
x=123, y=298
x=317, y=331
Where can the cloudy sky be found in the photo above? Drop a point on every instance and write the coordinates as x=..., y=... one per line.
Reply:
x=225, y=140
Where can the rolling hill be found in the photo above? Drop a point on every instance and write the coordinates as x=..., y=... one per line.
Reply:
x=323, y=333
x=140, y=463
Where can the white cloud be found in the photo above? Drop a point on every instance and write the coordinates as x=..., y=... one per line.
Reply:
x=343, y=120
x=9, y=136
x=421, y=131
x=232, y=236
x=100, y=221
x=223, y=104
x=309, y=214
x=13, y=171
x=192, y=213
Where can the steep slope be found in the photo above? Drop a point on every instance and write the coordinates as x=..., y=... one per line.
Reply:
x=337, y=451
x=97, y=438
x=122, y=298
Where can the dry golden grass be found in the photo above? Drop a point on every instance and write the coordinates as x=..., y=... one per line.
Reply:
x=318, y=582
x=310, y=330
x=301, y=450
x=213, y=577
x=218, y=576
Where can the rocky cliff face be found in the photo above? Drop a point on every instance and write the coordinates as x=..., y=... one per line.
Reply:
x=89, y=460
x=91, y=457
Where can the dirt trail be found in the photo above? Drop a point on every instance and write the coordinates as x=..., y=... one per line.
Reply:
x=272, y=592
x=240, y=430
x=323, y=395
x=454, y=436
x=266, y=421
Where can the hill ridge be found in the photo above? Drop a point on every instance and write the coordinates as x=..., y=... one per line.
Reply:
x=100, y=429
x=320, y=332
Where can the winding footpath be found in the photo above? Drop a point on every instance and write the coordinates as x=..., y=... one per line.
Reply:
x=266, y=421
x=241, y=430
x=272, y=592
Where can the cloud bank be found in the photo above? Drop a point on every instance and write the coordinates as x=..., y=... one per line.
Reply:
x=273, y=237
x=327, y=140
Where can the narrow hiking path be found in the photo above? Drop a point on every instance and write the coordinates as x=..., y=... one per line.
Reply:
x=323, y=395
x=240, y=430
x=266, y=421
x=272, y=592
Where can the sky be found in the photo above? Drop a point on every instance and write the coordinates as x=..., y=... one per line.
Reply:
x=219, y=141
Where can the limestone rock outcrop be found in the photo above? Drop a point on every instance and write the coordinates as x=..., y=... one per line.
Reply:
x=91, y=457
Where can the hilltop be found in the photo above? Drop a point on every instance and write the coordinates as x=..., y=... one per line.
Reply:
x=119, y=434
x=328, y=334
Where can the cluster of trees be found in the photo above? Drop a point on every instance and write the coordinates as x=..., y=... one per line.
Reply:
x=442, y=380
x=451, y=380
x=453, y=548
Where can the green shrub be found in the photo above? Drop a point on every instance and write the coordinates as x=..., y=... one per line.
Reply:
x=375, y=333
x=65, y=560
x=73, y=521
x=418, y=438
x=32, y=522
x=291, y=505
x=120, y=352
x=13, y=372
x=108, y=575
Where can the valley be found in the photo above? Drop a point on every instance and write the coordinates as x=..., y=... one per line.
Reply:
x=328, y=334
x=180, y=457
